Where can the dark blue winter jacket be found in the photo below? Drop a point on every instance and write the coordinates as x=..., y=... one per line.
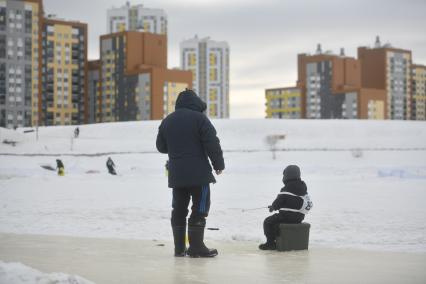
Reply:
x=189, y=138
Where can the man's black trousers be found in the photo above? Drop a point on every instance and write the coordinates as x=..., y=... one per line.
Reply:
x=200, y=196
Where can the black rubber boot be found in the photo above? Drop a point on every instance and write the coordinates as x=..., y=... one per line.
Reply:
x=197, y=248
x=269, y=245
x=179, y=233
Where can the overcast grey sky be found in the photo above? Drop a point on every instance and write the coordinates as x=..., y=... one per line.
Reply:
x=265, y=36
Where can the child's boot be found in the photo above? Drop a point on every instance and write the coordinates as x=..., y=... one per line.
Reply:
x=269, y=245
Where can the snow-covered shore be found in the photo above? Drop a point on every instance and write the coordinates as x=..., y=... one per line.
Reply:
x=18, y=273
x=371, y=202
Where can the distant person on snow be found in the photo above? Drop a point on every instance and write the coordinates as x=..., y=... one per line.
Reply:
x=76, y=132
x=60, y=167
x=189, y=139
x=111, y=166
x=293, y=202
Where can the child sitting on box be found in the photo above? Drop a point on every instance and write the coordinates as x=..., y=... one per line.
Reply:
x=293, y=202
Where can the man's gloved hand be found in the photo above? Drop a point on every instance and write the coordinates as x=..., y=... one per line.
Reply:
x=270, y=208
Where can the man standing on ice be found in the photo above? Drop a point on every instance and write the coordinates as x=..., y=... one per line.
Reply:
x=189, y=139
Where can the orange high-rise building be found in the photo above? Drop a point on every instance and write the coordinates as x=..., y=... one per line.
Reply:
x=388, y=69
x=381, y=84
x=329, y=84
x=135, y=83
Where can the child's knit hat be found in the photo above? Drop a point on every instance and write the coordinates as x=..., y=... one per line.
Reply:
x=291, y=172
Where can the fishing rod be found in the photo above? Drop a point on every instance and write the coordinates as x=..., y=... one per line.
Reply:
x=252, y=209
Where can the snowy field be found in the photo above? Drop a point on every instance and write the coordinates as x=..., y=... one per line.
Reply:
x=373, y=202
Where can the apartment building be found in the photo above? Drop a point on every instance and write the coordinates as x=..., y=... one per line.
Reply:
x=20, y=61
x=283, y=103
x=387, y=68
x=135, y=83
x=136, y=18
x=329, y=84
x=208, y=62
x=64, y=73
x=418, y=84
x=94, y=84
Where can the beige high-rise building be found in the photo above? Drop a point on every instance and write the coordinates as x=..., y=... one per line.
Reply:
x=64, y=80
x=208, y=61
x=418, y=83
x=136, y=18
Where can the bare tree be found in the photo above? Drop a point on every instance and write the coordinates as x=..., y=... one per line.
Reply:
x=272, y=141
x=356, y=153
